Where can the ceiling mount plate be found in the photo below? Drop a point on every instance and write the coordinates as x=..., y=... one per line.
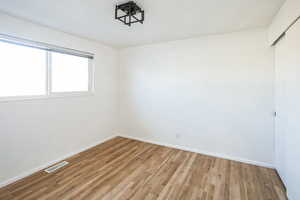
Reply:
x=129, y=13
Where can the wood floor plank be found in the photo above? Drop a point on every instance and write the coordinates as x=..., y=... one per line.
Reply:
x=123, y=169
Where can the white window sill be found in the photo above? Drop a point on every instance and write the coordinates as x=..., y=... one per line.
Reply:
x=45, y=97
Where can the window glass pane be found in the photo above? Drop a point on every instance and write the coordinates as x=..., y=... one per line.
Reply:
x=22, y=70
x=69, y=73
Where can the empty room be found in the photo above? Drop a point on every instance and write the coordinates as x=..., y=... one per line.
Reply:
x=149, y=99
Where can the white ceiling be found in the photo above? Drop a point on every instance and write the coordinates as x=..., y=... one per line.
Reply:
x=165, y=20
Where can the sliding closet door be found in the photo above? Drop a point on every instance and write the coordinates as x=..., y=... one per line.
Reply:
x=288, y=108
x=280, y=106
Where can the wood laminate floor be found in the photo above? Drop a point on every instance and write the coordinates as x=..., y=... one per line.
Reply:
x=128, y=169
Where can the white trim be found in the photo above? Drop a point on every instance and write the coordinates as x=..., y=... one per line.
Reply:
x=44, y=46
x=30, y=172
x=91, y=75
x=45, y=97
x=66, y=93
x=218, y=155
x=49, y=73
x=44, y=166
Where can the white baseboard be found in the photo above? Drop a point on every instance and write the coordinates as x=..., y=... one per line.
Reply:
x=30, y=172
x=218, y=155
x=36, y=169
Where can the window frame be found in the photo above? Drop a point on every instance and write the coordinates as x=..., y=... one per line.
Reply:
x=49, y=91
x=49, y=94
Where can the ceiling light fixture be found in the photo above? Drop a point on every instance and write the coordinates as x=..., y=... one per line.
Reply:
x=130, y=13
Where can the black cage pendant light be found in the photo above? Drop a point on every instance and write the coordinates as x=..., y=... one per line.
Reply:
x=129, y=13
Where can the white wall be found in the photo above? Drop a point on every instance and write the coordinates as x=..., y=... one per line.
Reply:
x=214, y=92
x=36, y=132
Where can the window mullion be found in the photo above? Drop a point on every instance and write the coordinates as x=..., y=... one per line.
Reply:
x=49, y=73
x=91, y=76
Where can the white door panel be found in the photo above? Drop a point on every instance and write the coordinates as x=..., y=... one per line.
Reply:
x=281, y=118
x=288, y=107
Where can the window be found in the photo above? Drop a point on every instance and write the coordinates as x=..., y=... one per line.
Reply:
x=22, y=71
x=31, y=69
x=69, y=73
